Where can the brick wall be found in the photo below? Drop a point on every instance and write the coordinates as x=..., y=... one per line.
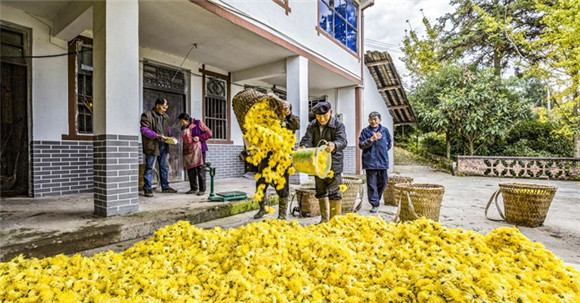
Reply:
x=61, y=167
x=116, y=168
x=349, y=154
x=226, y=159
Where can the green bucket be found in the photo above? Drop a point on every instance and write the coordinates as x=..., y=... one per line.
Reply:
x=305, y=161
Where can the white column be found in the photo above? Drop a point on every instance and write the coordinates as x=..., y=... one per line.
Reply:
x=116, y=67
x=297, y=94
x=116, y=106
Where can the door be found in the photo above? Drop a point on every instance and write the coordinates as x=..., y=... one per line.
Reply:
x=14, y=131
x=176, y=106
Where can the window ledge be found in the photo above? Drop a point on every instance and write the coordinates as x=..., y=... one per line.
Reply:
x=76, y=137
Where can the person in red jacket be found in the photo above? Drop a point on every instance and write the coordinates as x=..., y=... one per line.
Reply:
x=195, y=134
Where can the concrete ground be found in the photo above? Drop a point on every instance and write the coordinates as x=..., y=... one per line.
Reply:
x=27, y=222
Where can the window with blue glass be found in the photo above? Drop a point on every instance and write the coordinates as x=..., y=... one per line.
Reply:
x=338, y=18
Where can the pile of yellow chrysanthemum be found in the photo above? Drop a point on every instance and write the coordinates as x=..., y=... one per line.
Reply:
x=350, y=259
x=267, y=138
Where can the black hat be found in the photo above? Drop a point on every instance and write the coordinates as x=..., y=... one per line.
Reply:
x=321, y=108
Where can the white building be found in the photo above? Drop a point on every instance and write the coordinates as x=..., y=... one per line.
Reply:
x=76, y=75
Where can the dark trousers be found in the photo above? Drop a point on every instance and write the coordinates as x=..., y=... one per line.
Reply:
x=376, y=183
x=328, y=187
x=282, y=193
x=196, y=176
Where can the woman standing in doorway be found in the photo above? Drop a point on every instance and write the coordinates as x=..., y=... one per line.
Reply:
x=194, y=134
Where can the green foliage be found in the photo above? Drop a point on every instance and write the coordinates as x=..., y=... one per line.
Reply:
x=535, y=138
x=474, y=104
x=433, y=143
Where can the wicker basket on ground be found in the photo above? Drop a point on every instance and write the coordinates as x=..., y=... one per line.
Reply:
x=525, y=204
x=390, y=193
x=307, y=203
x=419, y=200
x=352, y=197
x=244, y=100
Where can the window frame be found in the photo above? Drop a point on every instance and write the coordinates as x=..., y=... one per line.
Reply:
x=285, y=5
x=321, y=31
x=73, y=66
x=227, y=78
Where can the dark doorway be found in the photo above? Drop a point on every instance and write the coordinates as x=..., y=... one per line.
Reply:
x=14, y=150
x=14, y=131
x=176, y=107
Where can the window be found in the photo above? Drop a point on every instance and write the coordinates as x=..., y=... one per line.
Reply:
x=339, y=19
x=80, y=93
x=85, y=90
x=216, y=107
x=284, y=4
x=12, y=46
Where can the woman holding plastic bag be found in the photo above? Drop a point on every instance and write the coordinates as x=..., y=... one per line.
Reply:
x=194, y=134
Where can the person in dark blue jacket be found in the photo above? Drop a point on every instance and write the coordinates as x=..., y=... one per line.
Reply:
x=375, y=142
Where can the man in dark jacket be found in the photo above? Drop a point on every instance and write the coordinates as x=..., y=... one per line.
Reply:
x=292, y=123
x=328, y=128
x=375, y=142
x=155, y=131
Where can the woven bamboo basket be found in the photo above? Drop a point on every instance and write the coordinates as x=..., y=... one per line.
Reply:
x=307, y=202
x=352, y=197
x=244, y=100
x=524, y=204
x=390, y=193
x=419, y=200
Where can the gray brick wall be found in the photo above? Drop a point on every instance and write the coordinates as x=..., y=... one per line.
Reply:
x=116, y=169
x=61, y=167
x=349, y=154
x=226, y=159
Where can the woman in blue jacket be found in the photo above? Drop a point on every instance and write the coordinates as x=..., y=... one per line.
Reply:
x=375, y=142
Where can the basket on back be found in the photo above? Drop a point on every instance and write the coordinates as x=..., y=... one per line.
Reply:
x=524, y=204
x=390, y=193
x=419, y=200
x=244, y=100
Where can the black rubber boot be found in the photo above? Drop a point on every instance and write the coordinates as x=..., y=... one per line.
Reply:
x=282, y=208
x=261, y=212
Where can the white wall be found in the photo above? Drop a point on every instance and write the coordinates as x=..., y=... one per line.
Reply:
x=373, y=101
x=298, y=27
x=49, y=77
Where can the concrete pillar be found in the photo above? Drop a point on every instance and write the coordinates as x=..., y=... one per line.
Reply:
x=116, y=106
x=297, y=95
x=358, y=93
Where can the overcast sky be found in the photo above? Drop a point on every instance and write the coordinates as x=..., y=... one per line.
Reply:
x=385, y=22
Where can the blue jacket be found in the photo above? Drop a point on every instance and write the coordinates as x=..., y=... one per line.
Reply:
x=375, y=154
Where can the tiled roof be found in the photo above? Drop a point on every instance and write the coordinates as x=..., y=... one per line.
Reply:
x=381, y=67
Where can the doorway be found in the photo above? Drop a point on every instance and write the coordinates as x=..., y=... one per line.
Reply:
x=14, y=152
x=176, y=106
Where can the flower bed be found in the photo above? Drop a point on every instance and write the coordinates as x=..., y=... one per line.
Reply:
x=350, y=259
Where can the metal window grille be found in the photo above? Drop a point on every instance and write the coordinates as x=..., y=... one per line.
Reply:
x=85, y=90
x=216, y=107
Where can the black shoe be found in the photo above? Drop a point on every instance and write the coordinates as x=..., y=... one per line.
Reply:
x=148, y=193
x=374, y=209
x=201, y=193
x=191, y=192
x=168, y=190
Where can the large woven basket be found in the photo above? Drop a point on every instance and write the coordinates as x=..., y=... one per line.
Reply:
x=352, y=197
x=307, y=202
x=419, y=200
x=244, y=100
x=390, y=193
x=525, y=204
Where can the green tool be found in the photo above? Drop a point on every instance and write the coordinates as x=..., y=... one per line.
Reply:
x=223, y=196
